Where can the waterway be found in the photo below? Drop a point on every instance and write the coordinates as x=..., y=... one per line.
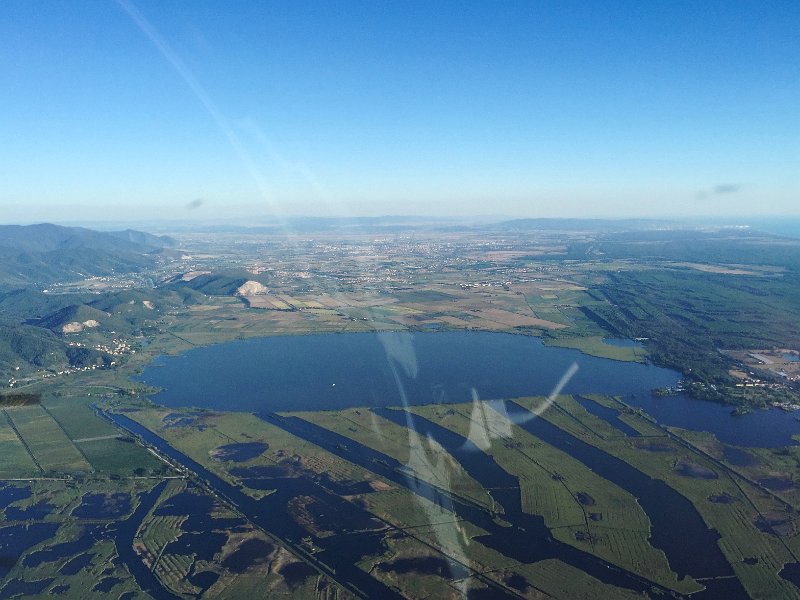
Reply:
x=124, y=533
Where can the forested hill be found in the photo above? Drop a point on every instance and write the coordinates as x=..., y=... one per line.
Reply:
x=47, y=253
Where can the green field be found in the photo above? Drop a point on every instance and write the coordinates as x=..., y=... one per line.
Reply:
x=49, y=446
x=15, y=459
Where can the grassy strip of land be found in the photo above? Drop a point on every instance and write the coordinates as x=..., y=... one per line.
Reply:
x=595, y=346
x=209, y=430
x=15, y=458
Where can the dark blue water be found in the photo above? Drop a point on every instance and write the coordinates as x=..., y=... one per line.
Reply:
x=791, y=572
x=16, y=539
x=124, y=533
x=9, y=494
x=105, y=585
x=328, y=372
x=85, y=540
x=239, y=452
x=77, y=564
x=761, y=428
x=319, y=372
x=103, y=506
x=35, y=512
x=18, y=587
x=738, y=457
x=791, y=357
x=609, y=415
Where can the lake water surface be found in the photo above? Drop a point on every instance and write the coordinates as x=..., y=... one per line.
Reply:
x=336, y=371
x=325, y=372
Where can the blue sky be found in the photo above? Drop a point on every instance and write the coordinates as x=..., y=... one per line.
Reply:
x=198, y=109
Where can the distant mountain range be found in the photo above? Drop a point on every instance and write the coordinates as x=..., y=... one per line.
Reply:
x=48, y=253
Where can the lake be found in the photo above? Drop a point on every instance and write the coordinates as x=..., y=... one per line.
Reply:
x=326, y=372
x=336, y=371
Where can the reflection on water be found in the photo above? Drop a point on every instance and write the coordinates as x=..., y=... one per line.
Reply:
x=328, y=372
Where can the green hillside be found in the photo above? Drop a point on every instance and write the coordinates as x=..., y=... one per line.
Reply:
x=77, y=313
x=26, y=346
x=213, y=284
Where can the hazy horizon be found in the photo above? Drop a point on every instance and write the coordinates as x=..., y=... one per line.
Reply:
x=776, y=225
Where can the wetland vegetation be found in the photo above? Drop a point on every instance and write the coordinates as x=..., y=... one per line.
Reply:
x=481, y=425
